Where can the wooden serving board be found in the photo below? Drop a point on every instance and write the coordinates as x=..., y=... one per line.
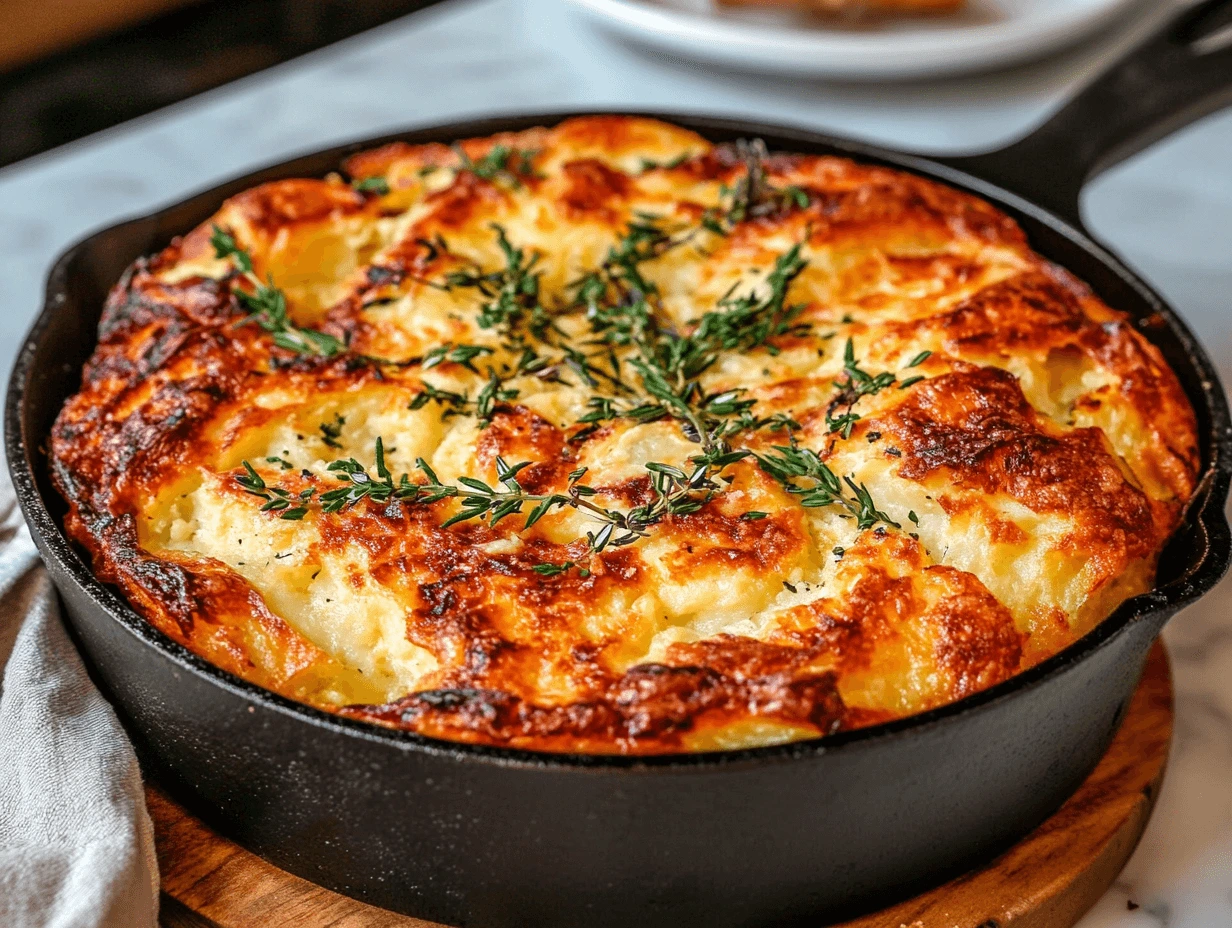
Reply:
x=1048, y=880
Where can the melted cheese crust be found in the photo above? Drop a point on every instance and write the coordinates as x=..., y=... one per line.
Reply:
x=1047, y=455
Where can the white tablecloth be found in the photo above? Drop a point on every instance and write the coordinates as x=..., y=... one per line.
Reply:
x=76, y=844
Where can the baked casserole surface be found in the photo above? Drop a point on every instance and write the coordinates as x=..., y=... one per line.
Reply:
x=603, y=438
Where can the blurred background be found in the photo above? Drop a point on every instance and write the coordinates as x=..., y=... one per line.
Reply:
x=72, y=67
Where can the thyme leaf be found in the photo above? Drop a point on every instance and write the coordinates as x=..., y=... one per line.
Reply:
x=501, y=163
x=791, y=465
x=494, y=393
x=375, y=185
x=511, y=293
x=456, y=354
x=430, y=394
x=551, y=570
x=649, y=164
x=266, y=305
x=858, y=383
x=332, y=431
x=753, y=196
x=277, y=499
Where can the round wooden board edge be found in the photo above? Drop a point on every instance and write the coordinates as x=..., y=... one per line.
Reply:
x=1047, y=880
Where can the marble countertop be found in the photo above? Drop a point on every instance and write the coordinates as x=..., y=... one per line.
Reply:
x=1168, y=212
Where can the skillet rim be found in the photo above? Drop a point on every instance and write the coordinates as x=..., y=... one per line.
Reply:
x=1206, y=511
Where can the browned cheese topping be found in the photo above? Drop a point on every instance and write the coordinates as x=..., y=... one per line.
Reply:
x=603, y=438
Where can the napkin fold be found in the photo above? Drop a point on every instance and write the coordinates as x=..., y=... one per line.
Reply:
x=76, y=842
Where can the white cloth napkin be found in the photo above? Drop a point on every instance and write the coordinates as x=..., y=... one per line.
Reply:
x=76, y=843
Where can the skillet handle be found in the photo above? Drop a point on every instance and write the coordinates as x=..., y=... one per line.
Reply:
x=1203, y=544
x=1179, y=75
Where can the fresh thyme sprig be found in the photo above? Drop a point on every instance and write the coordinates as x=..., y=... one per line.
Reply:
x=291, y=507
x=752, y=196
x=382, y=488
x=619, y=278
x=603, y=408
x=266, y=305
x=457, y=402
x=455, y=354
x=791, y=463
x=374, y=185
x=492, y=394
x=332, y=431
x=668, y=363
x=502, y=163
x=511, y=293
x=743, y=323
x=860, y=383
x=552, y=570
x=649, y=164
x=677, y=492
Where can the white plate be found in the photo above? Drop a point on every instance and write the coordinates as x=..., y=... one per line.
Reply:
x=987, y=34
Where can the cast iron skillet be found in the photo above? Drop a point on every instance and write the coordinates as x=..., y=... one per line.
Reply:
x=783, y=835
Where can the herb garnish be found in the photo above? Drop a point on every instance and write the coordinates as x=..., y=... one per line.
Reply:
x=289, y=507
x=676, y=493
x=753, y=196
x=376, y=185
x=792, y=463
x=552, y=570
x=858, y=383
x=493, y=393
x=650, y=165
x=430, y=394
x=511, y=293
x=332, y=431
x=747, y=322
x=640, y=364
x=500, y=163
x=266, y=305
x=619, y=278
x=456, y=354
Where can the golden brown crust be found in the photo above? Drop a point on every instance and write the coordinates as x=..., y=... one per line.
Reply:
x=1024, y=463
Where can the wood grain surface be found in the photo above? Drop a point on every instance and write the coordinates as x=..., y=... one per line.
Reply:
x=1048, y=880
